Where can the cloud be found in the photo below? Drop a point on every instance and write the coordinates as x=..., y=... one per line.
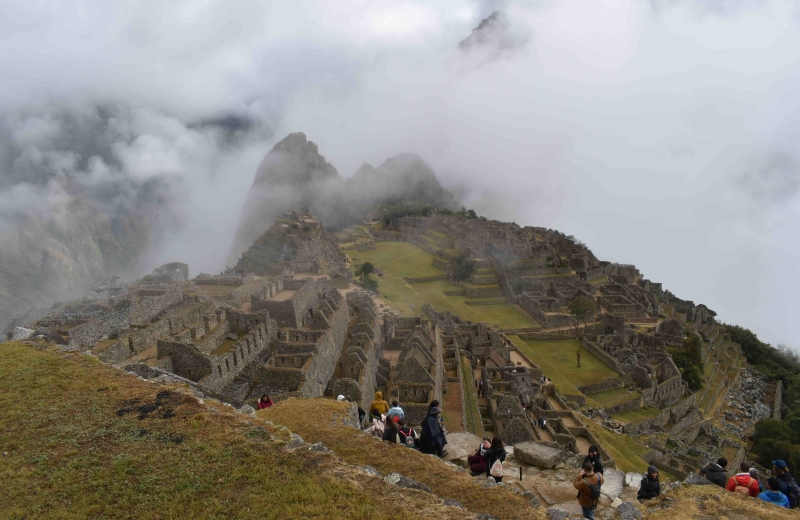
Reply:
x=622, y=122
x=771, y=179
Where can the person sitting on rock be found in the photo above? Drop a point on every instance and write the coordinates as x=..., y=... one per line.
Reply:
x=495, y=453
x=378, y=406
x=396, y=411
x=264, y=402
x=650, y=486
x=594, y=458
x=432, y=439
x=773, y=494
x=742, y=482
x=587, y=482
x=716, y=473
x=477, y=462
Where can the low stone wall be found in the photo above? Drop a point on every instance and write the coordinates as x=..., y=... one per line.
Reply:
x=484, y=292
x=633, y=404
x=596, y=388
x=602, y=355
x=425, y=279
x=440, y=263
x=496, y=301
x=255, y=287
x=539, y=271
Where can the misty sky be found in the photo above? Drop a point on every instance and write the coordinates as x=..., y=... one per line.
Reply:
x=662, y=133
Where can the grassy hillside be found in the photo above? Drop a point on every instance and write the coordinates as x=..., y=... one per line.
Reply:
x=400, y=260
x=81, y=439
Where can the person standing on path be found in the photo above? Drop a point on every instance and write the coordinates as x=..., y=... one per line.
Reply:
x=588, y=485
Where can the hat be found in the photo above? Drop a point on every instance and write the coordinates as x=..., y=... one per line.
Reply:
x=652, y=469
x=340, y=398
x=435, y=410
x=779, y=464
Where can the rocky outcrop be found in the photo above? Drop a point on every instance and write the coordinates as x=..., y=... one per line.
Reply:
x=537, y=455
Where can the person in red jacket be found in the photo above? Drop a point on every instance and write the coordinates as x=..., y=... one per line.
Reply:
x=264, y=402
x=742, y=482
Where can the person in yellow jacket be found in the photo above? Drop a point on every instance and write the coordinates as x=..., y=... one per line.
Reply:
x=379, y=406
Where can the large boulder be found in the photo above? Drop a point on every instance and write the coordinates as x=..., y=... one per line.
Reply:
x=21, y=333
x=404, y=482
x=613, y=482
x=461, y=444
x=633, y=479
x=628, y=511
x=697, y=480
x=537, y=455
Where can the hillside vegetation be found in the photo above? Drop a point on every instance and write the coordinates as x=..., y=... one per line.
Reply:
x=81, y=439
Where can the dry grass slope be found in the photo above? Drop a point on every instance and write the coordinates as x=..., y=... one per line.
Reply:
x=81, y=439
x=712, y=502
x=311, y=419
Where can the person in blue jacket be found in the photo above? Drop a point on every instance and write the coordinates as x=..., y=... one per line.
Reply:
x=773, y=495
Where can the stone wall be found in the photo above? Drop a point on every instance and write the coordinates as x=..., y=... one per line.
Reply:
x=143, y=310
x=633, y=404
x=484, y=292
x=106, y=326
x=255, y=287
x=602, y=355
x=610, y=384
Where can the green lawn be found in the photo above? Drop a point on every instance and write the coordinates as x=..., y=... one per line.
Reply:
x=622, y=448
x=610, y=397
x=635, y=416
x=400, y=260
x=557, y=360
x=472, y=422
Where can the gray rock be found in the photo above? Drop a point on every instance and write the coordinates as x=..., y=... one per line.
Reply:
x=534, y=500
x=50, y=336
x=613, y=482
x=537, y=455
x=461, y=444
x=633, y=479
x=556, y=513
x=404, y=482
x=247, y=410
x=295, y=441
x=491, y=479
x=232, y=336
x=369, y=470
x=697, y=480
x=319, y=447
x=21, y=333
x=485, y=516
x=628, y=511
x=453, y=503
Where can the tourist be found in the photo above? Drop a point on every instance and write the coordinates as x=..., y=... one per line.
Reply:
x=378, y=426
x=588, y=485
x=716, y=473
x=477, y=462
x=432, y=439
x=650, y=486
x=742, y=482
x=391, y=432
x=396, y=411
x=408, y=435
x=754, y=474
x=264, y=402
x=787, y=485
x=480, y=388
x=773, y=494
x=378, y=406
x=361, y=412
x=495, y=453
x=594, y=458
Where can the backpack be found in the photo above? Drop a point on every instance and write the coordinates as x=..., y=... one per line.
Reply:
x=594, y=489
x=745, y=490
x=794, y=493
x=497, y=469
x=408, y=438
x=378, y=427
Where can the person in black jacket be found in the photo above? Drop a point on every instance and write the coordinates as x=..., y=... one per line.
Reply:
x=716, y=473
x=650, y=487
x=594, y=458
x=495, y=452
x=432, y=438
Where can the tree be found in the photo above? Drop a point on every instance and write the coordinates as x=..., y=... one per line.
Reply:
x=365, y=270
x=463, y=267
x=689, y=361
x=582, y=309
